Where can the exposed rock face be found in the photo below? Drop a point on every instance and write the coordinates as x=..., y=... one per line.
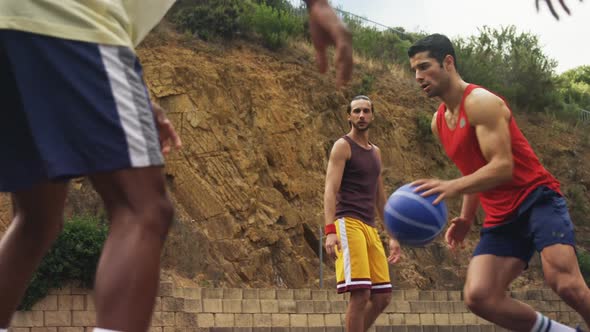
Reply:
x=257, y=128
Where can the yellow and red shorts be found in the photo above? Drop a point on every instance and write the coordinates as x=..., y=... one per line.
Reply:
x=361, y=264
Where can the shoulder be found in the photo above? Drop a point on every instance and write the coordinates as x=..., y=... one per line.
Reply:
x=377, y=150
x=341, y=143
x=482, y=106
x=480, y=97
x=340, y=149
x=433, y=125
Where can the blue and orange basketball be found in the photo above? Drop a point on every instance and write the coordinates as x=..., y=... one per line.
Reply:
x=413, y=219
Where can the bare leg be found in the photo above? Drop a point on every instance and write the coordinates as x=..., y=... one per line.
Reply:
x=562, y=273
x=129, y=269
x=488, y=278
x=377, y=303
x=355, y=313
x=38, y=219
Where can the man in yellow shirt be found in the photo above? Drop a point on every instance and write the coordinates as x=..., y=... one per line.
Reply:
x=75, y=104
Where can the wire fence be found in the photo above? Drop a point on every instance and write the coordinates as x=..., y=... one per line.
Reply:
x=299, y=4
x=585, y=116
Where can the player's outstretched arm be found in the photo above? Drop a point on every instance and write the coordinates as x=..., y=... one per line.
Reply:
x=327, y=29
x=552, y=8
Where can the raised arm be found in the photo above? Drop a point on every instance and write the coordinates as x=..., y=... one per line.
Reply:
x=327, y=29
x=552, y=9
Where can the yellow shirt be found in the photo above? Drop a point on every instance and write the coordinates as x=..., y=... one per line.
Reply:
x=111, y=22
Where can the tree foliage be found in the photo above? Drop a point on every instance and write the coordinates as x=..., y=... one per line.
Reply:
x=574, y=87
x=510, y=63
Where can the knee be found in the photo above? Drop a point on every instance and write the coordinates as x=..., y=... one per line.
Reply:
x=41, y=229
x=477, y=298
x=153, y=216
x=569, y=289
x=381, y=301
x=359, y=298
x=158, y=216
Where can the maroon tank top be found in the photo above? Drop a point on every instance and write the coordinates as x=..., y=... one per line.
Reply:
x=358, y=189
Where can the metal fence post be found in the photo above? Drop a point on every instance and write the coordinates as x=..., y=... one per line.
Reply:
x=585, y=116
x=321, y=254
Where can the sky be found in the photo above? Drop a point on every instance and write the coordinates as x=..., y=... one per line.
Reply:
x=565, y=40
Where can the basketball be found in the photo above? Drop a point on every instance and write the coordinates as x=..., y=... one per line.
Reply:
x=413, y=219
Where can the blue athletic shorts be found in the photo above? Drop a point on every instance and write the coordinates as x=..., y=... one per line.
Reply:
x=540, y=221
x=69, y=109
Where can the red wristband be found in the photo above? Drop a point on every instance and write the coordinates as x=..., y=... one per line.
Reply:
x=330, y=229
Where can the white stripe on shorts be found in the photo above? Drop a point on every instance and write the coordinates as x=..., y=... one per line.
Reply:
x=126, y=106
x=345, y=251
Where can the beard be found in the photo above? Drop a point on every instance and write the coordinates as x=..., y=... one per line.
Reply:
x=436, y=90
x=432, y=93
x=359, y=128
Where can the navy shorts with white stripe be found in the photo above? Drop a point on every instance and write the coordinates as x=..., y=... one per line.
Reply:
x=69, y=109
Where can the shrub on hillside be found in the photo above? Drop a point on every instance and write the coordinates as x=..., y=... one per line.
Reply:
x=423, y=127
x=509, y=63
x=73, y=257
x=579, y=207
x=365, y=86
x=584, y=262
x=214, y=18
x=389, y=46
x=274, y=26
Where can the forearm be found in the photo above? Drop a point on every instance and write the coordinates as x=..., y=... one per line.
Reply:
x=329, y=208
x=487, y=177
x=380, y=207
x=310, y=3
x=469, y=207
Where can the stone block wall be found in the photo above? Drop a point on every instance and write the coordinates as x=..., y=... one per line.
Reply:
x=260, y=310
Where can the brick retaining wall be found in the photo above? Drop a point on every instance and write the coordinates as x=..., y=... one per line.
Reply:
x=259, y=310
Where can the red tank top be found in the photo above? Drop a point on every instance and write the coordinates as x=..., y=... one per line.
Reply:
x=462, y=147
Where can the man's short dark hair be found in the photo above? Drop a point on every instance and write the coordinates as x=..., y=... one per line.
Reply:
x=438, y=46
x=360, y=97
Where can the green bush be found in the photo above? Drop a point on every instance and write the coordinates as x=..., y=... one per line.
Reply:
x=424, y=127
x=73, y=257
x=574, y=87
x=214, y=18
x=584, y=262
x=388, y=46
x=274, y=21
x=365, y=86
x=578, y=204
x=510, y=63
x=274, y=26
x=568, y=113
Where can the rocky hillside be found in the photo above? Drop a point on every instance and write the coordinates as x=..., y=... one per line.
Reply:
x=257, y=128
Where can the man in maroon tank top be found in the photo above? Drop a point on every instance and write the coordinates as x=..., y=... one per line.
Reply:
x=525, y=210
x=354, y=190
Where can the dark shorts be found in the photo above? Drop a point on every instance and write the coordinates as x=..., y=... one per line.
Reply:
x=69, y=109
x=540, y=221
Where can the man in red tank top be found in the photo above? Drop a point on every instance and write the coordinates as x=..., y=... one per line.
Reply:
x=354, y=191
x=524, y=208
